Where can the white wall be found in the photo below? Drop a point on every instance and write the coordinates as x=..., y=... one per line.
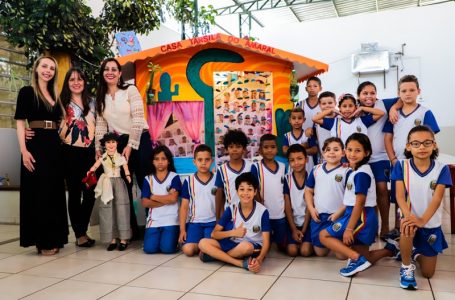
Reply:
x=429, y=34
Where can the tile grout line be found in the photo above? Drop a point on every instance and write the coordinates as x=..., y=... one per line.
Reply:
x=431, y=289
x=63, y=279
x=277, y=278
x=349, y=289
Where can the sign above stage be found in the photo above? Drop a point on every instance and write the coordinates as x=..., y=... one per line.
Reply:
x=304, y=67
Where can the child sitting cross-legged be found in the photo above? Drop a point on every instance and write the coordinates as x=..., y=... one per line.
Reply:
x=242, y=231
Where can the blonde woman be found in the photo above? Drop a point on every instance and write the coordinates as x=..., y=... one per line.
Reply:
x=43, y=221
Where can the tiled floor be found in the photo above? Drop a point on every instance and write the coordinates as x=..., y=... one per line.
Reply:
x=97, y=274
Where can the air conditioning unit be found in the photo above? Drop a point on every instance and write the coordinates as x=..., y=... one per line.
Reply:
x=370, y=60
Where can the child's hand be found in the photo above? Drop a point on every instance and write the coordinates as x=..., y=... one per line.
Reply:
x=297, y=235
x=314, y=215
x=348, y=237
x=128, y=178
x=356, y=113
x=406, y=229
x=309, y=132
x=335, y=111
x=255, y=265
x=182, y=237
x=239, y=231
x=393, y=115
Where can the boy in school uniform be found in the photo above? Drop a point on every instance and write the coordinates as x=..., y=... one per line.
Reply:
x=270, y=175
x=235, y=142
x=327, y=101
x=297, y=136
x=294, y=203
x=410, y=114
x=197, y=209
x=310, y=104
x=243, y=229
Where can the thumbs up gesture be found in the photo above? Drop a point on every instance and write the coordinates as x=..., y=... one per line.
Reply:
x=240, y=231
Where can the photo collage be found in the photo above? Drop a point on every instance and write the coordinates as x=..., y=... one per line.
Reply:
x=242, y=100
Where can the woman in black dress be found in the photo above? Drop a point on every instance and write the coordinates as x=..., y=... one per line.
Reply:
x=43, y=221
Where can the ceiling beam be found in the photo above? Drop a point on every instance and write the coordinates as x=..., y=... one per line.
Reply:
x=257, y=5
x=246, y=9
x=335, y=8
x=292, y=10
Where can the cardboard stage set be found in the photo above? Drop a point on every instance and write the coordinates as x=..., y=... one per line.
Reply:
x=195, y=90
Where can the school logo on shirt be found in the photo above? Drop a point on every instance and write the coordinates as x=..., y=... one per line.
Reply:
x=359, y=129
x=213, y=191
x=256, y=228
x=168, y=188
x=433, y=185
x=349, y=186
x=417, y=122
x=336, y=227
x=432, y=239
x=282, y=180
x=338, y=177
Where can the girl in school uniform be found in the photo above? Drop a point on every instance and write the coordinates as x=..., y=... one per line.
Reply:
x=420, y=184
x=348, y=121
x=353, y=233
x=160, y=193
x=325, y=190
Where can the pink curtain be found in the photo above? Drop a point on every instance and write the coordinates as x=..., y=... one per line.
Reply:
x=158, y=115
x=191, y=115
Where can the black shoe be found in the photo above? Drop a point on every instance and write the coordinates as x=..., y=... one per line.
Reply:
x=122, y=246
x=86, y=244
x=91, y=241
x=111, y=247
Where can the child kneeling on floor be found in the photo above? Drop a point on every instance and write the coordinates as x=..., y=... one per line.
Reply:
x=242, y=231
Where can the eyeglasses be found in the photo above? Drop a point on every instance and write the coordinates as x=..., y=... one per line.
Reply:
x=426, y=143
x=111, y=69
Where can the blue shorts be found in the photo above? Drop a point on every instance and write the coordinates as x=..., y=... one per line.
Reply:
x=306, y=236
x=381, y=170
x=365, y=229
x=197, y=231
x=316, y=228
x=429, y=241
x=279, y=232
x=228, y=244
x=161, y=239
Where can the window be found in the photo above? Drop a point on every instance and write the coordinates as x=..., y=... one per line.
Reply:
x=13, y=76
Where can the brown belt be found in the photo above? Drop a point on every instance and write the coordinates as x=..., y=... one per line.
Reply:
x=44, y=124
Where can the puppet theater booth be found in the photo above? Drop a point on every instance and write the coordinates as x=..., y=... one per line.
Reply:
x=195, y=90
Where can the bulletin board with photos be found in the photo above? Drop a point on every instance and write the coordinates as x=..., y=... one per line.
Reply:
x=242, y=100
x=174, y=137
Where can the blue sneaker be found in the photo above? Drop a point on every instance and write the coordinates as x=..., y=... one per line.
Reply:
x=391, y=235
x=407, y=279
x=355, y=266
x=414, y=255
x=394, y=247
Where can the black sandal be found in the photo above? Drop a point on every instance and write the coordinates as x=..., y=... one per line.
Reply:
x=111, y=247
x=122, y=246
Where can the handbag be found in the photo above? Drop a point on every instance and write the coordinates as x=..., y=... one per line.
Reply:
x=90, y=180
